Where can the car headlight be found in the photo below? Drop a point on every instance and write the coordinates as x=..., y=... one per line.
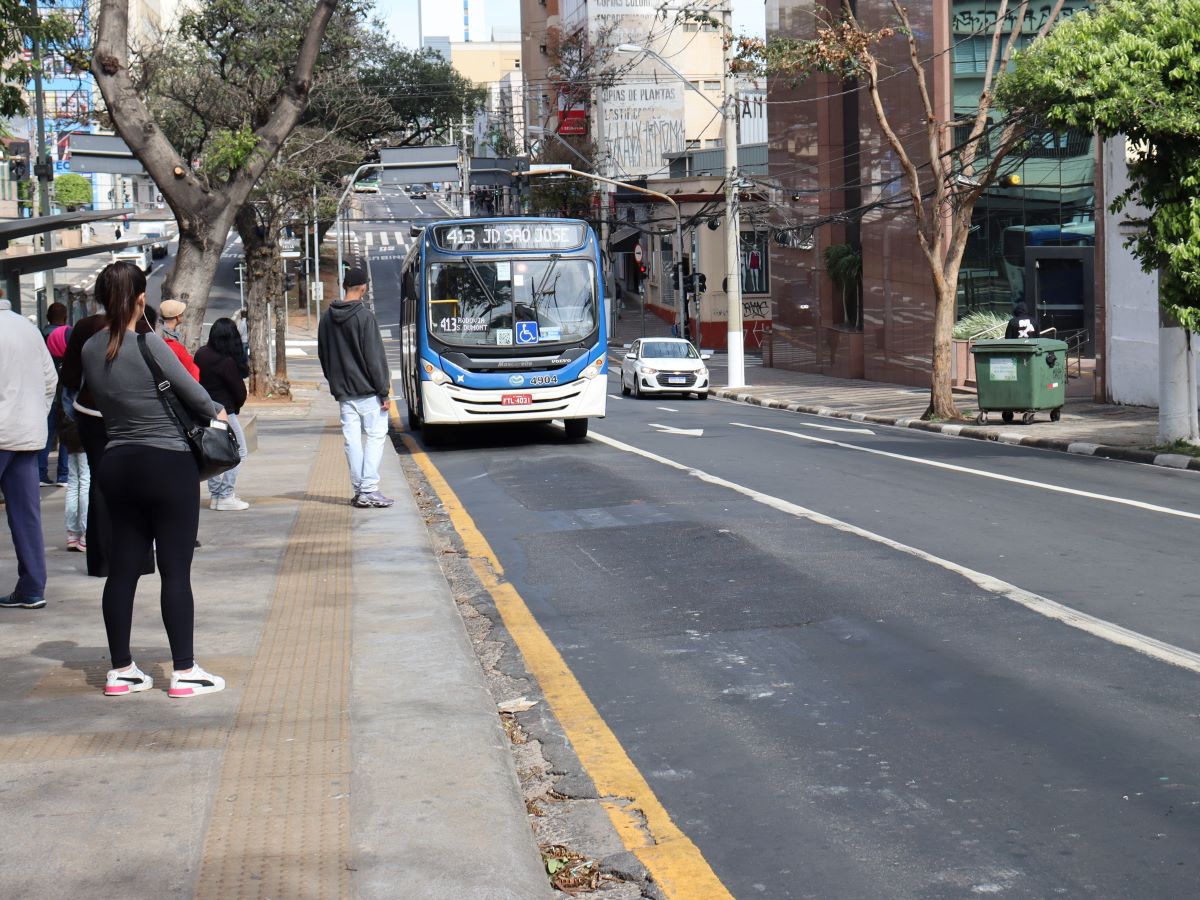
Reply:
x=647, y=370
x=436, y=375
x=593, y=370
x=702, y=372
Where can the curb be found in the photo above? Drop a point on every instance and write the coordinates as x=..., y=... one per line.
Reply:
x=1080, y=448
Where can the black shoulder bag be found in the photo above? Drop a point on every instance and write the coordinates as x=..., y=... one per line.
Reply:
x=214, y=444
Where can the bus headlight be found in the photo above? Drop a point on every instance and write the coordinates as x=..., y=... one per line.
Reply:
x=436, y=375
x=593, y=370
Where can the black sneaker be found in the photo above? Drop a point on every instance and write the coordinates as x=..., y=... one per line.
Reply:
x=16, y=601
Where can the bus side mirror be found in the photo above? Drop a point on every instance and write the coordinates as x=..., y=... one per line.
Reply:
x=416, y=230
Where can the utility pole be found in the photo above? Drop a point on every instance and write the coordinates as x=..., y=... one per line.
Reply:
x=733, y=230
x=42, y=169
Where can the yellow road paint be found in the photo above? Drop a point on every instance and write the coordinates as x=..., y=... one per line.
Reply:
x=644, y=825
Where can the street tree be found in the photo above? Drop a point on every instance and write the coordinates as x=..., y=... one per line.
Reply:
x=427, y=94
x=19, y=23
x=941, y=192
x=269, y=58
x=72, y=191
x=1129, y=68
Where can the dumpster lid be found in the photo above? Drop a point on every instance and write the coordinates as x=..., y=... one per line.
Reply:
x=1020, y=346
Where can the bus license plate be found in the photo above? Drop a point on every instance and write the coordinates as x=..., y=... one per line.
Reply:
x=516, y=399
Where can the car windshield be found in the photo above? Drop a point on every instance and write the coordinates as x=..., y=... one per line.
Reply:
x=668, y=350
x=512, y=301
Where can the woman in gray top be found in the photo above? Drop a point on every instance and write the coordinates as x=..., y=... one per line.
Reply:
x=150, y=481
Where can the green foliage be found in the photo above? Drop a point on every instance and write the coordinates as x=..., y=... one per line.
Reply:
x=229, y=150
x=72, y=191
x=980, y=324
x=1131, y=67
x=425, y=93
x=843, y=265
x=17, y=24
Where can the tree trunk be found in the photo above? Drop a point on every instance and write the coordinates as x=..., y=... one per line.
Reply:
x=281, y=387
x=201, y=242
x=262, y=285
x=941, y=395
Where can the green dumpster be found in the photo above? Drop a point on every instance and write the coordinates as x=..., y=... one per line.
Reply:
x=1020, y=376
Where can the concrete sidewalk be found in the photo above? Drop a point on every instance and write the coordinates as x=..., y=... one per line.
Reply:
x=1087, y=428
x=355, y=753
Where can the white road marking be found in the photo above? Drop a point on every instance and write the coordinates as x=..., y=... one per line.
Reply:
x=666, y=408
x=1051, y=609
x=383, y=241
x=399, y=239
x=667, y=429
x=616, y=396
x=369, y=238
x=835, y=428
x=1059, y=489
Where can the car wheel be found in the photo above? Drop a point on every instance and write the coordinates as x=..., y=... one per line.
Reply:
x=624, y=388
x=637, y=388
x=702, y=395
x=576, y=429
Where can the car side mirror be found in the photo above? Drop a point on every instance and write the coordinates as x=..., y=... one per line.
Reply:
x=706, y=356
x=631, y=356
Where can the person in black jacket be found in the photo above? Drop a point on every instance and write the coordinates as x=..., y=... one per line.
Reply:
x=1020, y=325
x=355, y=365
x=222, y=365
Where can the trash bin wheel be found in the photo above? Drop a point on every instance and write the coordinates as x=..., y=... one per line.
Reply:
x=1055, y=414
x=1029, y=417
x=981, y=418
x=1007, y=416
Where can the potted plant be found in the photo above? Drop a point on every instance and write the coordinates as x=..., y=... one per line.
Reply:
x=976, y=326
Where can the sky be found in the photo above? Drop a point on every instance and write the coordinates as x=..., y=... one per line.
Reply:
x=749, y=17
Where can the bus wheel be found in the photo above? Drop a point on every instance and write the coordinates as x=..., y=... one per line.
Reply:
x=414, y=418
x=576, y=428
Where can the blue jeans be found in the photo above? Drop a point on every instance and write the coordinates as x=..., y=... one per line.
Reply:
x=79, y=483
x=221, y=486
x=23, y=506
x=359, y=415
x=51, y=442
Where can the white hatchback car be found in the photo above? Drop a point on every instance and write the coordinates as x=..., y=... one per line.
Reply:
x=664, y=365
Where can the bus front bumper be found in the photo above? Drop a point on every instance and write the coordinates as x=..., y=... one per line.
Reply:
x=447, y=404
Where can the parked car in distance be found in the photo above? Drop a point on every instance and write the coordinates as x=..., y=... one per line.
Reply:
x=367, y=186
x=664, y=365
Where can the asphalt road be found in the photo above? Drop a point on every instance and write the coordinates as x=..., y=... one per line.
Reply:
x=834, y=650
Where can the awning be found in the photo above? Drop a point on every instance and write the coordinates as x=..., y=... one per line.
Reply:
x=623, y=240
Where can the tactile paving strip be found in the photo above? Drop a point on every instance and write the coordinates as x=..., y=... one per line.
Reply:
x=280, y=824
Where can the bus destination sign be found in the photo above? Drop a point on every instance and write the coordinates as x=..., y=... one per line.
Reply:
x=488, y=236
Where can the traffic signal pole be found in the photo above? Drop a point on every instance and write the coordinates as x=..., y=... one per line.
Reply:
x=41, y=169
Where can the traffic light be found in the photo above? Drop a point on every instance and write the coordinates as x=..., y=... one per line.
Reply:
x=699, y=283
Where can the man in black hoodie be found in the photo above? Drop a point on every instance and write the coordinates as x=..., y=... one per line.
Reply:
x=355, y=365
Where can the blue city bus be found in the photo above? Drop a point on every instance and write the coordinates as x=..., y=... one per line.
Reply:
x=503, y=320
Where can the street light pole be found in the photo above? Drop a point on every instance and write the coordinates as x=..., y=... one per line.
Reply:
x=736, y=375
x=735, y=343
x=567, y=170
x=41, y=168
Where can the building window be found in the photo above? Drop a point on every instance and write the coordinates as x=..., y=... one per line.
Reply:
x=712, y=85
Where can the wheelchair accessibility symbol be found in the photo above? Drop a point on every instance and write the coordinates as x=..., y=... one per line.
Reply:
x=527, y=332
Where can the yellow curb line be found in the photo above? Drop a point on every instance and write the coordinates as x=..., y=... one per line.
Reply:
x=645, y=826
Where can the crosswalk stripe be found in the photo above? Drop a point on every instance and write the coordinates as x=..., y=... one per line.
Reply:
x=399, y=239
x=383, y=241
x=367, y=239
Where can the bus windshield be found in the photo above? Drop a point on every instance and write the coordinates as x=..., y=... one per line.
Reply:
x=477, y=302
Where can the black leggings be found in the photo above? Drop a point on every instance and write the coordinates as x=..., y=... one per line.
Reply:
x=99, y=530
x=153, y=495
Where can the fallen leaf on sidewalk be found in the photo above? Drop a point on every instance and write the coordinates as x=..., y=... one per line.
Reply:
x=520, y=704
x=570, y=872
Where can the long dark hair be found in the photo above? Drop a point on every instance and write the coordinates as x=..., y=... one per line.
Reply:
x=224, y=339
x=124, y=283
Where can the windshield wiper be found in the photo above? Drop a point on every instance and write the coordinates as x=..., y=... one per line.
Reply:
x=540, y=291
x=470, y=264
